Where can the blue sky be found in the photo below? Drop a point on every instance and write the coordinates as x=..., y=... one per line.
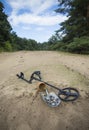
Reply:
x=33, y=19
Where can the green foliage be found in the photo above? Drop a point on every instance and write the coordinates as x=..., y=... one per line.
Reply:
x=74, y=37
x=22, y=43
x=5, y=31
x=79, y=45
x=5, y=27
x=9, y=41
x=56, y=46
x=7, y=46
x=77, y=24
x=74, y=30
x=52, y=39
x=1, y=49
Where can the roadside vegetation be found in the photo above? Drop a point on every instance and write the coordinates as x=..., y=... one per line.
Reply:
x=73, y=35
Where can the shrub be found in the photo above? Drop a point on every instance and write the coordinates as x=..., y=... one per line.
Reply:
x=8, y=46
x=1, y=49
x=79, y=45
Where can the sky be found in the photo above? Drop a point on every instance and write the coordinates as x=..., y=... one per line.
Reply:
x=33, y=19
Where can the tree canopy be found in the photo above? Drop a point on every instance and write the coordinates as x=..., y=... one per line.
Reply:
x=9, y=41
x=77, y=24
x=74, y=36
x=5, y=27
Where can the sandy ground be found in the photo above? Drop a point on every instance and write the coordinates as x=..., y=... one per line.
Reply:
x=17, y=112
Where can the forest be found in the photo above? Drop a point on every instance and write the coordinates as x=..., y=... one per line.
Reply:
x=73, y=36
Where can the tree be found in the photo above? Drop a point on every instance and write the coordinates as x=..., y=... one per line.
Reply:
x=9, y=41
x=5, y=27
x=77, y=24
x=52, y=39
x=7, y=46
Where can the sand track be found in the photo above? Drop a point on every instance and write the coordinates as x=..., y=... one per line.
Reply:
x=61, y=69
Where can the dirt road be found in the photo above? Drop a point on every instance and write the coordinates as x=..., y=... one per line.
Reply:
x=17, y=112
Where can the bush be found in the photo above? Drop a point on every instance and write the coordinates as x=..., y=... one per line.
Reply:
x=79, y=45
x=56, y=46
x=7, y=46
x=1, y=49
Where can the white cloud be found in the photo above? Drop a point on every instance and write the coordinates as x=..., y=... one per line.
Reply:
x=26, y=27
x=45, y=5
x=46, y=20
x=39, y=28
x=33, y=5
x=36, y=8
x=34, y=19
